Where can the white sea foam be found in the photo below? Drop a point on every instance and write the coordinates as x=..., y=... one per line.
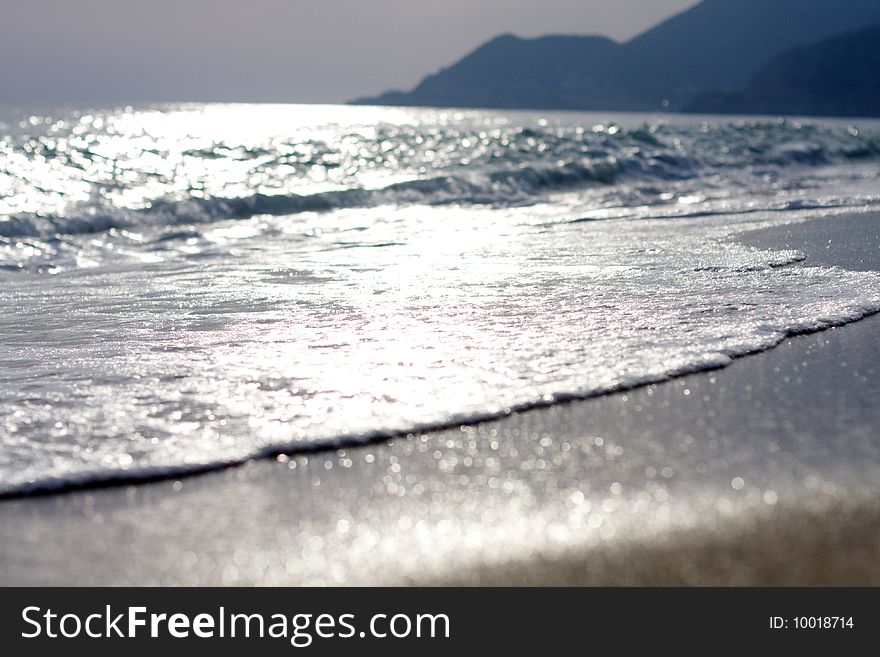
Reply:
x=180, y=294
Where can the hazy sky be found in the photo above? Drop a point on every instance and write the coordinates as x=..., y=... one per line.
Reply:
x=272, y=50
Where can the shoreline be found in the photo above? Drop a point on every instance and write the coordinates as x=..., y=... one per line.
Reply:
x=809, y=235
x=716, y=477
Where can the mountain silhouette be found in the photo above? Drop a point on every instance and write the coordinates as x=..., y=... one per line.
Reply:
x=715, y=45
x=839, y=76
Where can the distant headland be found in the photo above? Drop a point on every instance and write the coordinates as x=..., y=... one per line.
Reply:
x=750, y=56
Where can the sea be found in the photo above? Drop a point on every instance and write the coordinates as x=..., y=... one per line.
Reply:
x=185, y=287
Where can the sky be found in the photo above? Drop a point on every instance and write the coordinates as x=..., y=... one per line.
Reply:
x=271, y=50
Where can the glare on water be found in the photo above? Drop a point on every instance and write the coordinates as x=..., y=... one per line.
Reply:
x=196, y=285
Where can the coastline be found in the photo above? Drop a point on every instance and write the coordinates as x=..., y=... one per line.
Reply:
x=764, y=472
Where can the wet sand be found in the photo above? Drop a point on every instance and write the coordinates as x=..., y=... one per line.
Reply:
x=766, y=472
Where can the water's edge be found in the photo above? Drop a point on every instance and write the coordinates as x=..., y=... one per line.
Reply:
x=163, y=473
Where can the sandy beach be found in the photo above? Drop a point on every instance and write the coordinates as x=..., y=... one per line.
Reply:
x=762, y=473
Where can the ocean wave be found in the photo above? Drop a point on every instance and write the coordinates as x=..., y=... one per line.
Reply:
x=498, y=188
x=764, y=338
x=447, y=165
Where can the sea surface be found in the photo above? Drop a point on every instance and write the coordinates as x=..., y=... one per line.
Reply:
x=188, y=286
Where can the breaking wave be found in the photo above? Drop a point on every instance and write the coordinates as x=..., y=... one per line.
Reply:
x=458, y=164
